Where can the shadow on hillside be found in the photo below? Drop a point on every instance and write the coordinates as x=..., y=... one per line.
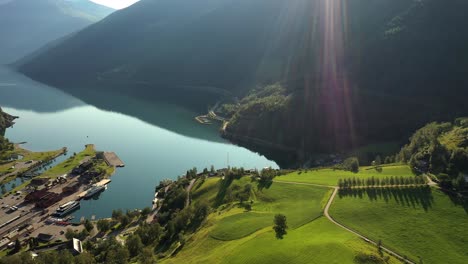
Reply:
x=406, y=196
x=223, y=187
x=458, y=199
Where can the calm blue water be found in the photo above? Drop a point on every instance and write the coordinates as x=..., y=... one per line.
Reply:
x=155, y=141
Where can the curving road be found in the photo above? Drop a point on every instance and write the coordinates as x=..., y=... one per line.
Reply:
x=327, y=214
x=329, y=217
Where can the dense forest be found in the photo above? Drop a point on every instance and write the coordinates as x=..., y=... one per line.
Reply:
x=440, y=149
x=348, y=73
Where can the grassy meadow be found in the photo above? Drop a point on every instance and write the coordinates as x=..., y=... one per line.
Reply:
x=421, y=222
x=67, y=165
x=331, y=176
x=233, y=235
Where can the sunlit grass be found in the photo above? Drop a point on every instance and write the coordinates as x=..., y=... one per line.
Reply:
x=331, y=176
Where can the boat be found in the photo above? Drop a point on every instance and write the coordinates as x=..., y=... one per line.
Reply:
x=94, y=190
x=67, y=208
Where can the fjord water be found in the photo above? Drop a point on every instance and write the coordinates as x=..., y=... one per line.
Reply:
x=155, y=140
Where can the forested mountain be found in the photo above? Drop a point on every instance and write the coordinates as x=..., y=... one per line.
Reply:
x=26, y=25
x=349, y=72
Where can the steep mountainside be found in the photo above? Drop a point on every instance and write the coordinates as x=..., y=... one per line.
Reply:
x=6, y=121
x=353, y=72
x=26, y=25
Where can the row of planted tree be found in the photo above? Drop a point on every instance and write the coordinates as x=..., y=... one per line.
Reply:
x=381, y=181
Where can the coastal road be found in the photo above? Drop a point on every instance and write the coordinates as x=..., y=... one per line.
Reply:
x=327, y=215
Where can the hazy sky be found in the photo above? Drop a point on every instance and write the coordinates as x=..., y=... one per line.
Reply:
x=117, y=4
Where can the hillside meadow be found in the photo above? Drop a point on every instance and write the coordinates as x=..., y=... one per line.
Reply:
x=417, y=222
x=233, y=235
x=330, y=176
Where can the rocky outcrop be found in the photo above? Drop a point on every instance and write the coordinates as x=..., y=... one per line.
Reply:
x=6, y=121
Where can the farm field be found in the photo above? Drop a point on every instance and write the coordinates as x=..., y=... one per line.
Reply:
x=331, y=176
x=421, y=222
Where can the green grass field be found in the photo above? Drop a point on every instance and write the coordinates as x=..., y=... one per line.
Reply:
x=415, y=223
x=27, y=156
x=68, y=165
x=307, y=205
x=331, y=177
x=232, y=235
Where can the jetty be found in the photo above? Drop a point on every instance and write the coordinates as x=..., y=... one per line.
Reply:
x=113, y=160
x=103, y=182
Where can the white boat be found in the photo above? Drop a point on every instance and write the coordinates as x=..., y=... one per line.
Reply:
x=67, y=208
x=94, y=190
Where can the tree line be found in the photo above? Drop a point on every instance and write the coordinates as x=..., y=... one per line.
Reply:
x=380, y=181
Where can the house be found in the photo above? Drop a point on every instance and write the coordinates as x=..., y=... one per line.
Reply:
x=4, y=242
x=36, y=195
x=76, y=247
x=83, y=167
x=39, y=181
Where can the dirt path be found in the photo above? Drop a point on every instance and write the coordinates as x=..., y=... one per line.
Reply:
x=329, y=217
x=189, y=188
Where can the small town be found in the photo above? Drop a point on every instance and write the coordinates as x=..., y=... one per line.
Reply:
x=41, y=210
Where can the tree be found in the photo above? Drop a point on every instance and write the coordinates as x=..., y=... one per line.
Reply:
x=351, y=164
x=117, y=256
x=88, y=225
x=212, y=169
x=117, y=214
x=134, y=245
x=103, y=225
x=280, y=226
x=124, y=221
x=146, y=256
x=379, y=247
x=85, y=258
x=149, y=233
x=69, y=234
x=65, y=257
x=145, y=212
x=17, y=247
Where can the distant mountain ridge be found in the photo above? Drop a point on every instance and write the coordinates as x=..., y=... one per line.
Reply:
x=27, y=25
x=353, y=73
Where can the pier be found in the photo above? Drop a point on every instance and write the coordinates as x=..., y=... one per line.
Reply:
x=113, y=160
x=103, y=182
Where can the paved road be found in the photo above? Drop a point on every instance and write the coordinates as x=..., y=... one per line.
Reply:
x=327, y=214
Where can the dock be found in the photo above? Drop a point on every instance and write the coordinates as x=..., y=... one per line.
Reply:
x=103, y=182
x=113, y=160
x=203, y=119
